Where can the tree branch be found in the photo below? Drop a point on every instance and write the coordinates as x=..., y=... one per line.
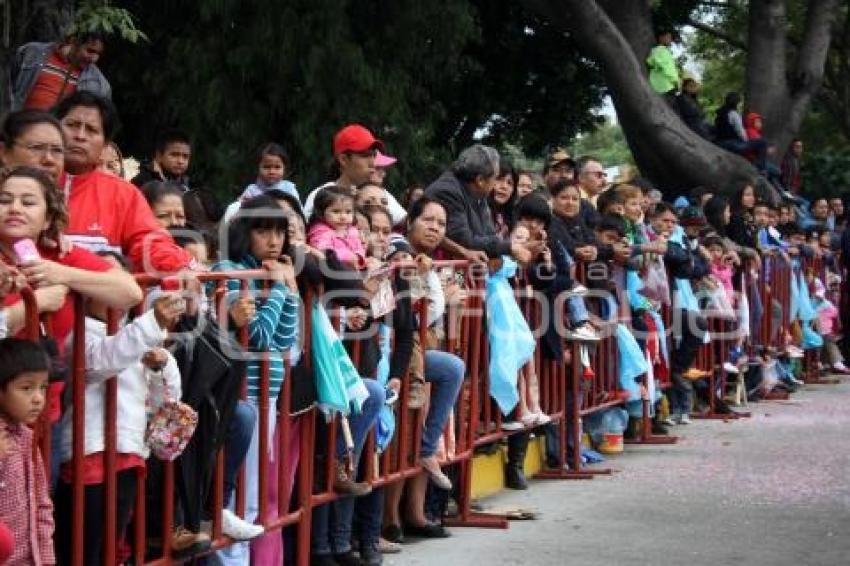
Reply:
x=721, y=35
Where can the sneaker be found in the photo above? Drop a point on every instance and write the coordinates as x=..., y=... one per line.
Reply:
x=512, y=426
x=416, y=397
x=542, y=419
x=583, y=333
x=435, y=473
x=840, y=368
x=578, y=289
x=184, y=542
x=387, y=547
x=684, y=419
x=391, y=396
x=345, y=485
x=239, y=529
x=729, y=367
x=669, y=421
x=347, y=559
x=694, y=374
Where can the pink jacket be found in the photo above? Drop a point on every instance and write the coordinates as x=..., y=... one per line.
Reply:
x=828, y=316
x=723, y=273
x=348, y=248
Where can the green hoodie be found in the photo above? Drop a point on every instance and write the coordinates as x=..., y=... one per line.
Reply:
x=663, y=73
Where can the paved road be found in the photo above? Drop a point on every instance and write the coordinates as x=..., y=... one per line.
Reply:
x=773, y=490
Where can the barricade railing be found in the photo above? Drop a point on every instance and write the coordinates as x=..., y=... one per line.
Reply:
x=566, y=394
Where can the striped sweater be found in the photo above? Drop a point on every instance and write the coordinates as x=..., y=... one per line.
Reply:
x=273, y=329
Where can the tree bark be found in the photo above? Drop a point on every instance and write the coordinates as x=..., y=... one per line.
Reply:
x=666, y=150
x=782, y=97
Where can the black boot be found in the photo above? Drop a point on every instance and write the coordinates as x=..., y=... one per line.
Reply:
x=514, y=474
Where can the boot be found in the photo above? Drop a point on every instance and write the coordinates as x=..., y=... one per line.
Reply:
x=514, y=474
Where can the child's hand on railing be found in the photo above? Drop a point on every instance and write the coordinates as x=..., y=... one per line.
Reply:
x=167, y=309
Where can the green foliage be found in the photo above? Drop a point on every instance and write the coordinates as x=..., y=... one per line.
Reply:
x=427, y=77
x=827, y=173
x=607, y=143
x=98, y=16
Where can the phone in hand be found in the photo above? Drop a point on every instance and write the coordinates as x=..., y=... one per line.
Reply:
x=26, y=251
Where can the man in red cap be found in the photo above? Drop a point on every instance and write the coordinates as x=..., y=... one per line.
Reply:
x=355, y=149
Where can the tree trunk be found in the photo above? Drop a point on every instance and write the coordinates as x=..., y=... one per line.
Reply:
x=782, y=97
x=666, y=150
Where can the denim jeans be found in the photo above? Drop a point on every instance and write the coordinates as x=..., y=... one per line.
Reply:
x=369, y=513
x=236, y=444
x=445, y=372
x=577, y=311
x=332, y=521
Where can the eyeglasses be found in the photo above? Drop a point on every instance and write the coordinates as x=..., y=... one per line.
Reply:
x=597, y=174
x=43, y=149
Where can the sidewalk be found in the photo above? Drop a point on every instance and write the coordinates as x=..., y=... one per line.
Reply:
x=773, y=490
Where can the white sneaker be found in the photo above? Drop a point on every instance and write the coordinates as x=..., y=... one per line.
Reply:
x=578, y=289
x=239, y=529
x=684, y=419
x=729, y=367
x=583, y=334
x=669, y=421
x=512, y=425
x=542, y=419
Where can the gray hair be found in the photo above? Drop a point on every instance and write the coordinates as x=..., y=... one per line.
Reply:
x=476, y=160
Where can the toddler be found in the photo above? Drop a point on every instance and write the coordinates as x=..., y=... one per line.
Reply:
x=332, y=227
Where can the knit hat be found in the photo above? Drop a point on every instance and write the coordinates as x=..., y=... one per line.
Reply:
x=398, y=244
x=681, y=202
x=692, y=216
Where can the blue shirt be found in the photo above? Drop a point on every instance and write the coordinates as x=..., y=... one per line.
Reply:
x=273, y=329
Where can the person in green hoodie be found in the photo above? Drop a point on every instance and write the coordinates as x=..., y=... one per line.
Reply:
x=663, y=72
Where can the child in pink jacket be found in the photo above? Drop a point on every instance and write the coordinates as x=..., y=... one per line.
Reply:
x=332, y=226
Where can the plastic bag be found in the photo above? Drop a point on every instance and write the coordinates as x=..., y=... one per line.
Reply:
x=633, y=362
x=511, y=341
x=656, y=286
x=338, y=384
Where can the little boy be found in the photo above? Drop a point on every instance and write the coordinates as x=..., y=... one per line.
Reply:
x=25, y=505
x=172, y=155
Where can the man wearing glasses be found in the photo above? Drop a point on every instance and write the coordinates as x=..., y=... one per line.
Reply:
x=592, y=179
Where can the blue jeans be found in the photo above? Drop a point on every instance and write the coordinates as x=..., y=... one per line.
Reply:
x=332, y=530
x=369, y=513
x=577, y=311
x=236, y=444
x=445, y=371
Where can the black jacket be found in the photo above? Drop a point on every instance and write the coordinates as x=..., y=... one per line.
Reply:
x=692, y=114
x=469, y=217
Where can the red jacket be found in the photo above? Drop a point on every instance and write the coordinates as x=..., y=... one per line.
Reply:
x=108, y=213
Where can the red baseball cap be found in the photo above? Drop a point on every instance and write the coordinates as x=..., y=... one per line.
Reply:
x=355, y=138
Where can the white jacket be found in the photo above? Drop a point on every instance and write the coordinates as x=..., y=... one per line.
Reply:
x=120, y=354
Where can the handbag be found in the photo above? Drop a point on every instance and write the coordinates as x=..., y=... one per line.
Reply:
x=170, y=426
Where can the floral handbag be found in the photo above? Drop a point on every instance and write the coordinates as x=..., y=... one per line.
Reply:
x=171, y=424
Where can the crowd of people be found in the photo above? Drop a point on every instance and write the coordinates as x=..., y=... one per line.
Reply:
x=604, y=257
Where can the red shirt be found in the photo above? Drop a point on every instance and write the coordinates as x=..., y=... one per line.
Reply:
x=56, y=80
x=108, y=213
x=63, y=319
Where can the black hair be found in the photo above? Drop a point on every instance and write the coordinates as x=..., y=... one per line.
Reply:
x=814, y=232
x=561, y=186
x=611, y=222
x=791, y=229
x=83, y=37
x=168, y=137
x=325, y=198
x=506, y=167
x=608, y=198
x=276, y=150
x=713, y=240
x=408, y=193
x=86, y=99
x=418, y=207
x=738, y=196
x=765, y=204
x=700, y=191
x=377, y=208
x=17, y=123
x=714, y=209
x=732, y=100
x=154, y=191
x=278, y=194
x=120, y=258
x=20, y=356
x=534, y=206
x=188, y=234
x=258, y=213
x=661, y=208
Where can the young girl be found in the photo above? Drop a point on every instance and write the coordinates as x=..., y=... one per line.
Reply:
x=270, y=174
x=25, y=505
x=332, y=226
x=142, y=367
